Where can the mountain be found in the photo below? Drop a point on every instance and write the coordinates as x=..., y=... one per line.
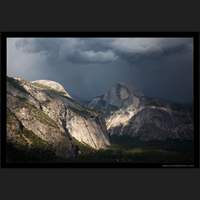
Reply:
x=46, y=124
x=129, y=113
x=42, y=115
x=117, y=97
x=52, y=85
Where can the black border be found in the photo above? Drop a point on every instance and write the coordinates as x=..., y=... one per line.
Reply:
x=194, y=35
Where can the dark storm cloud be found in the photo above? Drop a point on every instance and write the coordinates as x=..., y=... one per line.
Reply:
x=73, y=49
x=136, y=49
x=87, y=67
x=102, y=50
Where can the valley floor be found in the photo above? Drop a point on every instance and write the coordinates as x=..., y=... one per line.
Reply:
x=154, y=152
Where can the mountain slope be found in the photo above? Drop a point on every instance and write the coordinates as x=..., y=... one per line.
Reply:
x=48, y=113
x=129, y=113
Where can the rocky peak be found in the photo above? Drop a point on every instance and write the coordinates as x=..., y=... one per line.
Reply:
x=118, y=96
x=51, y=85
x=127, y=111
x=53, y=117
x=121, y=95
x=121, y=91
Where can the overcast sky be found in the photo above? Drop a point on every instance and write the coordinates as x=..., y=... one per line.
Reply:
x=87, y=67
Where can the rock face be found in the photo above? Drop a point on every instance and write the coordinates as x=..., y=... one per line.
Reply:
x=51, y=85
x=117, y=97
x=45, y=111
x=128, y=113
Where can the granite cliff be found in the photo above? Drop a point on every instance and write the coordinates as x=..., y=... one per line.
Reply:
x=43, y=113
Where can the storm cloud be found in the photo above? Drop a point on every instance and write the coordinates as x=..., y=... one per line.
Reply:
x=87, y=67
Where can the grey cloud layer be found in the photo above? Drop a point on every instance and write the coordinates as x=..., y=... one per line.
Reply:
x=98, y=50
x=87, y=67
x=71, y=49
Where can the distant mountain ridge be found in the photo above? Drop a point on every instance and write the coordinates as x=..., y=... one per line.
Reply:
x=132, y=114
x=117, y=96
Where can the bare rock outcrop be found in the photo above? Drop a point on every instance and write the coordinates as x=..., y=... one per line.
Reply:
x=46, y=110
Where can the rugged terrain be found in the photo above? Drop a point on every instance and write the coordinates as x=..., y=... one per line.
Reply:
x=45, y=123
x=128, y=113
x=42, y=115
